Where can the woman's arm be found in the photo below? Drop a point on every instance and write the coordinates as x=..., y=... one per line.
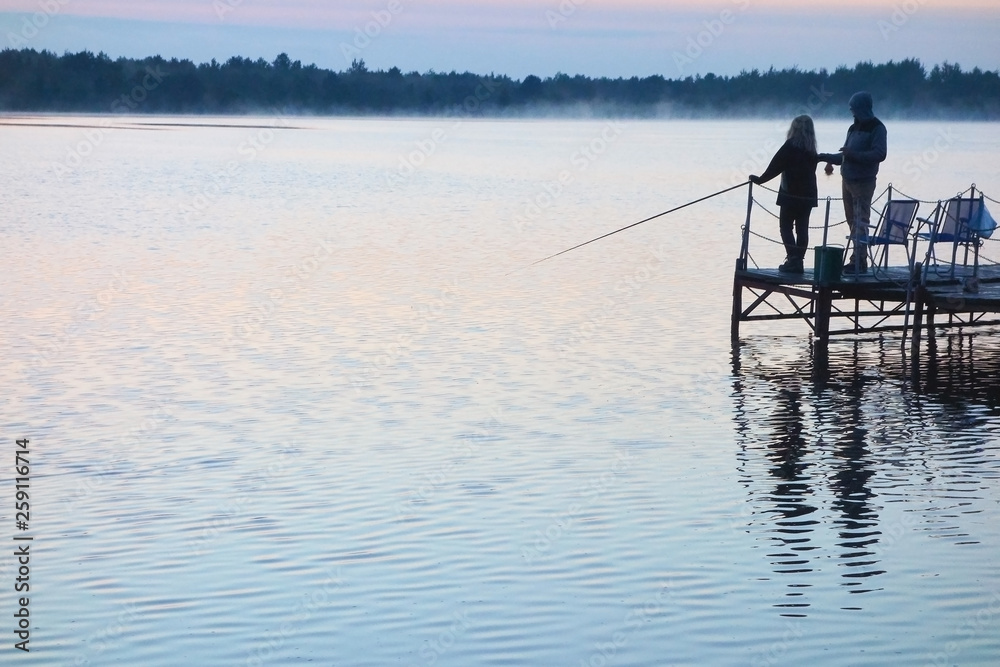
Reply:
x=778, y=164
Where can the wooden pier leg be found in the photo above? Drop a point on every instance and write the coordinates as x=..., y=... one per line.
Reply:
x=930, y=310
x=918, y=321
x=824, y=303
x=734, y=327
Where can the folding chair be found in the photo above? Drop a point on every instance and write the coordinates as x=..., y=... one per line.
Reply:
x=950, y=223
x=893, y=228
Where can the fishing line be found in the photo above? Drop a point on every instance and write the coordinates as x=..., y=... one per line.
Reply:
x=634, y=224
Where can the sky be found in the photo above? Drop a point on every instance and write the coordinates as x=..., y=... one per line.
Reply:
x=672, y=38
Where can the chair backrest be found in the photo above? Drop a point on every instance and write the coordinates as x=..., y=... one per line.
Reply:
x=897, y=218
x=958, y=212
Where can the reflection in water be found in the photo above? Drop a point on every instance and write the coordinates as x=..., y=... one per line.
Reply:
x=314, y=346
x=952, y=370
x=792, y=491
x=852, y=464
x=828, y=446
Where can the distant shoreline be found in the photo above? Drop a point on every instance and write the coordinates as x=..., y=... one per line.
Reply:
x=85, y=83
x=139, y=121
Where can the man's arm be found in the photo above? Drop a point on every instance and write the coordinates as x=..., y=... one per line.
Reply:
x=878, y=151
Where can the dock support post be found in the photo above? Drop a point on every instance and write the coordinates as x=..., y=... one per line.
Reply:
x=741, y=265
x=734, y=327
x=824, y=303
x=930, y=310
x=918, y=321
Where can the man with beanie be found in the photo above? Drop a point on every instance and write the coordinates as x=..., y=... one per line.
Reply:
x=864, y=148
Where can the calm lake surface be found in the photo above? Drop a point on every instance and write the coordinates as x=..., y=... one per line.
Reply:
x=295, y=396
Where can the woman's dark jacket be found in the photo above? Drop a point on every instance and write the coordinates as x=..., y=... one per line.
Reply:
x=797, y=167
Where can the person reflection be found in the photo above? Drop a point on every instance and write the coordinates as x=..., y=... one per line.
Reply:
x=858, y=525
x=792, y=490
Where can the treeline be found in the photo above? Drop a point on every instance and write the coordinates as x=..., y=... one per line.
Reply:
x=32, y=81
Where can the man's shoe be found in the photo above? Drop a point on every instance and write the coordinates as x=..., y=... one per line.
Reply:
x=852, y=270
x=791, y=266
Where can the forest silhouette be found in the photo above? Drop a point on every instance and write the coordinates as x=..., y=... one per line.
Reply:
x=84, y=82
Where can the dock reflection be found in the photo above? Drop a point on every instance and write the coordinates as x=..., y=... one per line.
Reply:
x=826, y=444
x=792, y=496
x=852, y=470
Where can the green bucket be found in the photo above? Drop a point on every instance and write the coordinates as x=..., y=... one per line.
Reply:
x=829, y=264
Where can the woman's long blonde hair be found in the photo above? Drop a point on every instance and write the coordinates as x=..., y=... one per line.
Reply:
x=802, y=133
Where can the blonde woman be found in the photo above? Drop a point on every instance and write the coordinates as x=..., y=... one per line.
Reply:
x=796, y=162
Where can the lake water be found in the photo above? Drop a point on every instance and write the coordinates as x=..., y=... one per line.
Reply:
x=294, y=395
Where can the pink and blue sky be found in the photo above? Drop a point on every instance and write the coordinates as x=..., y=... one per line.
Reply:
x=674, y=38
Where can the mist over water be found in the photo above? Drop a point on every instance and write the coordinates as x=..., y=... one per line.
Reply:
x=294, y=394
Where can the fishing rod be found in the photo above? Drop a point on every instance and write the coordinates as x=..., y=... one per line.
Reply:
x=634, y=224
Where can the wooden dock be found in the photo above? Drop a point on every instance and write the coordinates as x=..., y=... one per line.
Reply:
x=887, y=300
x=932, y=294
